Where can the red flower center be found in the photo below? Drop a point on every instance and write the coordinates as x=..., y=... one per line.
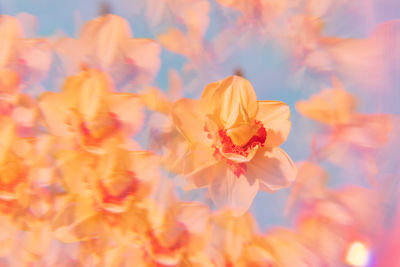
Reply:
x=227, y=146
x=256, y=140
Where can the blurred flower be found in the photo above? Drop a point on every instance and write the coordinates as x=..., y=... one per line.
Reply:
x=106, y=43
x=256, y=13
x=182, y=236
x=349, y=132
x=88, y=112
x=110, y=194
x=30, y=58
x=164, y=137
x=231, y=235
x=335, y=214
x=13, y=172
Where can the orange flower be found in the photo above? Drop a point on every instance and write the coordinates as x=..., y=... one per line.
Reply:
x=122, y=177
x=103, y=191
x=331, y=106
x=181, y=236
x=234, y=142
x=89, y=112
x=107, y=43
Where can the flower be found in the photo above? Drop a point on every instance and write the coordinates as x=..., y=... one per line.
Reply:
x=182, y=236
x=88, y=111
x=107, y=43
x=350, y=136
x=234, y=142
x=337, y=108
x=331, y=106
x=104, y=190
x=339, y=216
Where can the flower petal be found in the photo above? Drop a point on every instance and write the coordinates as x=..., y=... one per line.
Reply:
x=105, y=35
x=128, y=109
x=77, y=220
x=175, y=41
x=330, y=106
x=310, y=183
x=189, y=120
x=229, y=191
x=273, y=167
x=206, y=99
x=95, y=86
x=275, y=117
x=194, y=216
x=199, y=167
x=229, y=95
x=54, y=112
x=11, y=32
x=366, y=130
x=145, y=55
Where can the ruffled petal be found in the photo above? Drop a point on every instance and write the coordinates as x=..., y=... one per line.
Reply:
x=241, y=133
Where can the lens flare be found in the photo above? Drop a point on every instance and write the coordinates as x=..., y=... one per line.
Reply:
x=357, y=255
